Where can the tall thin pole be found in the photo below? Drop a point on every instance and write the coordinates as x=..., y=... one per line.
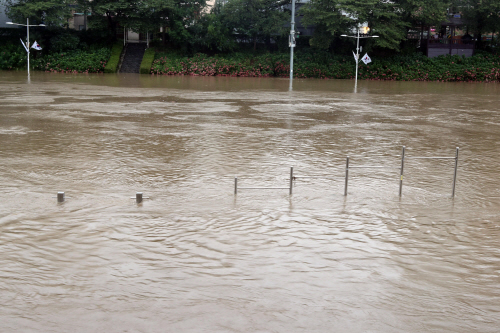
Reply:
x=292, y=43
x=357, y=62
x=28, y=47
x=291, y=180
x=455, y=174
x=346, y=175
x=402, y=169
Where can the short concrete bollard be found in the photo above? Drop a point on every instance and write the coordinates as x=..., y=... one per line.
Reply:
x=139, y=197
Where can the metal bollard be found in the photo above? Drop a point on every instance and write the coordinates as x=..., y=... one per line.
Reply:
x=60, y=196
x=346, y=175
x=401, y=174
x=455, y=173
x=138, y=197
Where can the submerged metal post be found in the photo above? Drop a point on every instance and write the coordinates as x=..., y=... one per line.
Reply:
x=235, y=185
x=402, y=169
x=455, y=174
x=60, y=196
x=291, y=180
x=346, y=175
x=138, y=197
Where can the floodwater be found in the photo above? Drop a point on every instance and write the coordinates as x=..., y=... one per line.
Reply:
x=196, y=258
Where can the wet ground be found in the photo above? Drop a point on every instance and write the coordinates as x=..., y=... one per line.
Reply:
x=196, y=258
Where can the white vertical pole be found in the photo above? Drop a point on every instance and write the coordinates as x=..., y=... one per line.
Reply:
x=357, y=62
x=292, y=40
x=28, y=47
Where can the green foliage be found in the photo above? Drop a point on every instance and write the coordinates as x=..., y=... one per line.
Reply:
x=481, y=16
x=114, y=59
x=13, y=56
x=50, y=12
x=177, y=16
x=324, y=65
x=213, y=33
x=74, y=61
x=235, y=65
x=335, y=17
x=64, y=42
x=253, y=20
x=147, y=61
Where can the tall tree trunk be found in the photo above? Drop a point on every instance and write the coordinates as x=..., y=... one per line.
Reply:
x=111, y=27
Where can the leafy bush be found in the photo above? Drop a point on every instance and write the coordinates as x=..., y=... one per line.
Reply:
x=64, y=42
x=114, y=60
x=13, y=57
x=74, y=62
x=481, y=67
x=200, y=64
x=147, y=61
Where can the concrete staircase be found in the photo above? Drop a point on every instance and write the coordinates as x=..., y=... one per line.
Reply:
x=132, y=58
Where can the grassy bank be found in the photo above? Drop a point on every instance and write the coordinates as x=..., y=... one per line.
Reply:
x=480, y=67
x=114, y=59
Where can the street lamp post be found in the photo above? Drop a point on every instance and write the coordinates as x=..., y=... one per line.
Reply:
x=292, y=42
x=357, y=55
x=27, y=25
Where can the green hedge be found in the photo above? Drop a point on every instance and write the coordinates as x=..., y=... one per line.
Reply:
x=13, y=57
x=114, y=60
x=79, y=61
x=480, y=67
x=147, y=61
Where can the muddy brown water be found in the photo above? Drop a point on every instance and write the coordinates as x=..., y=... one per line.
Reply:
x=196, y=258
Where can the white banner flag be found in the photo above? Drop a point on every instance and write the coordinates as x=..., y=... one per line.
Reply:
x=355, y=56
x=366, y=59
x=36, y=46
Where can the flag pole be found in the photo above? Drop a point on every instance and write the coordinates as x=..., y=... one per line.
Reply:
x=357, y=63
x=292, y=42
x=28, y=46
x=356, y=56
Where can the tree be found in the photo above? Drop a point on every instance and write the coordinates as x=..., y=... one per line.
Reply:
x=388, y=19
x=255, y=20
x=480, y=16
x=424, y=12
x=49, y=12
x=213, y=33
x=175, y=16
x=333, y=17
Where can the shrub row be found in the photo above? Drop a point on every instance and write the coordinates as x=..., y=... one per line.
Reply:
x=74, y=61
x=480, y=67
x=13, y=57
x=209, y=66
